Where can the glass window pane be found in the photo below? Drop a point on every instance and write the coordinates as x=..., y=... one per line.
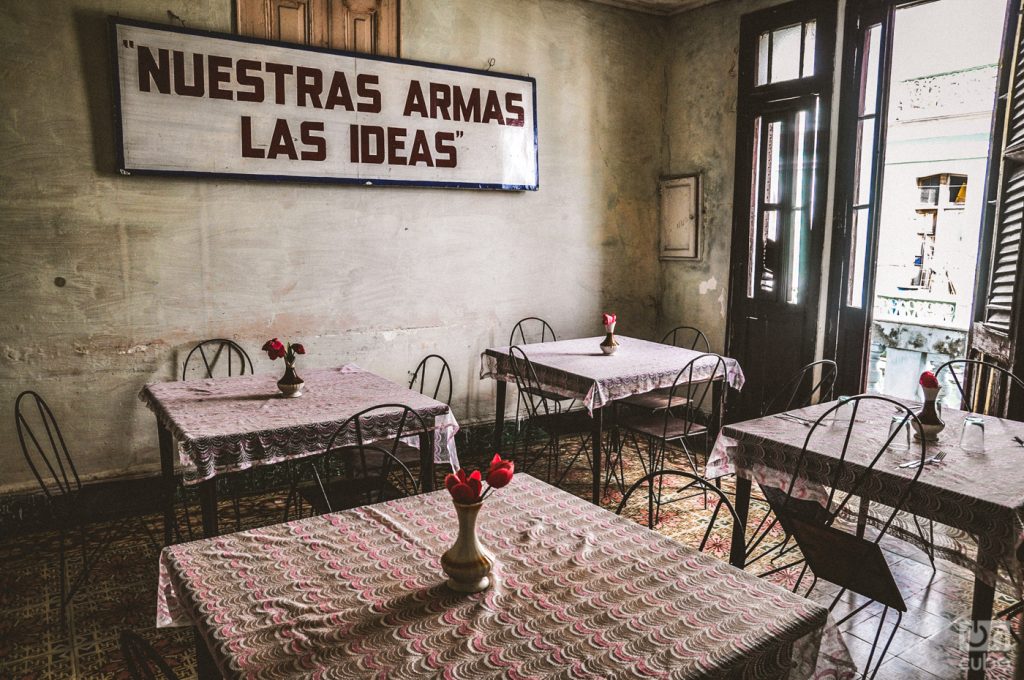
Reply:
x=754, y=193
x=869, y=76
x=796, y=237
x=810, y=28
x=769, y=251
x=786, y=50
x=865, y=155
x=858, y=256
x=772, y=169
x=762, y=58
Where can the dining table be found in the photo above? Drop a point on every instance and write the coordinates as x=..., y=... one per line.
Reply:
x=979, y=496
x=577, y=591
x=578, y=369
x=221, y=426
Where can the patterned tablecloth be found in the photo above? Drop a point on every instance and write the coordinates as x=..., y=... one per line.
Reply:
x=229, y=424
x=578, y=369
x=579, y=592
x=980, y=497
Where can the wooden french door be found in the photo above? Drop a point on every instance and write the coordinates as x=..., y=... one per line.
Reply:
x=785, y=82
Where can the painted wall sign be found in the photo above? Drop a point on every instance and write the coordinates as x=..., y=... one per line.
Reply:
x=192, y=102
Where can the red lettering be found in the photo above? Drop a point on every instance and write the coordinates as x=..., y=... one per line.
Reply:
x=219, y=72
x=248, y=151
x=150, y=70
x=440, y=100
x=281, y=142
x=414, y=101
x=512, y=101
x=420, y=152
x=306, y=130
x=338, y=94
x=467, y=110
x=279, y=71
x=364, y=90
x=492, y=109
x=309, y=82
x=451, y=157
x=376, y=134
x=242, y=68
x=198, y=87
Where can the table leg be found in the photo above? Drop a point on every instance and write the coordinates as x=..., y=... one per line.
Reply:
x=981, y=618
x=206, y=669
x=595, y=452
x=738, y=552
x=169, y=484
x=208, y=503
x=717, y=388
x=427, y=460
x=499, y=414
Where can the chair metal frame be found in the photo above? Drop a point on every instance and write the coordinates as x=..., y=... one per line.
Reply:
x=142, y=661
x=352, y=458
x=547, y=414
x=545, y=330
x=236, y=356
x=655, y=500
x=55, y=471
x=672, y=338
x=850, y=557
x=971, y=366
x=442, y=387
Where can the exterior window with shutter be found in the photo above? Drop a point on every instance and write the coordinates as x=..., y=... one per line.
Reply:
x=369, y=26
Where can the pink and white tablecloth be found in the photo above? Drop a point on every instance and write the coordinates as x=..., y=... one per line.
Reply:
x=978, y=497
x=578, y=369
x=579, y=592
x=227, y=424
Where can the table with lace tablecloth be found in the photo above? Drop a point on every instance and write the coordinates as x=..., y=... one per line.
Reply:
x=578, y=592
x=223, y=425
x=977, y=497
x=578, y=369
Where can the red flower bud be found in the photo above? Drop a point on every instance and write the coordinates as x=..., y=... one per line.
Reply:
x=298, y=348
x=928, y=380
x=500, y=472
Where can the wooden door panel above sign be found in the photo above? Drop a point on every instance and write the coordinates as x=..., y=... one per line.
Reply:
x=192, y=102
x=355, y=25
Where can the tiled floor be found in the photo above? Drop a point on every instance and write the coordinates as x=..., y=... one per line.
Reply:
x=121, y=595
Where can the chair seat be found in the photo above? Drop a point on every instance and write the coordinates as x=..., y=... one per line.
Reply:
x=568, y=422
x=656, y=400
x=653, y=425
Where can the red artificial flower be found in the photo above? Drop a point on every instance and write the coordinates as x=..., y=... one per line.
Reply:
x=464, y=488
x=501, y=471
x=928, y=380
x=607, y=319
x=274, y=348
x=298, y=348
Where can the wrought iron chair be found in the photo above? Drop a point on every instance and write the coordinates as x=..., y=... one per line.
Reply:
x=433, y=377
x=74, y=510
x=818, y=377
x=530, y=330
x=142, y=661
x=687, y=414
x=218, y=358
x=686, y=337
x=983, y=380
x=831, y=550
x=545, y=414
x=669, y=487
x=360, y=465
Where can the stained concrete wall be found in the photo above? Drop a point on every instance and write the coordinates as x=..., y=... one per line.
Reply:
x=700, y=129
x=379, y=276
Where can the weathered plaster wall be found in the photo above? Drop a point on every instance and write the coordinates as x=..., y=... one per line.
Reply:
x=378, y=276
x=700, y=126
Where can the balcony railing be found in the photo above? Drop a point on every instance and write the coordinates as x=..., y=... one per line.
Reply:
x=915, y=310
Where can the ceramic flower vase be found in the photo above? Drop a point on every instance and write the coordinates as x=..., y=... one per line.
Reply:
x=467, y=563
x=290, y=383
x=610, y=345
x=931, y=423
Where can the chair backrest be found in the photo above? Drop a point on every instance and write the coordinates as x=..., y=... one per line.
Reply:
x=693, y=394
x=142, y=661
x=216, y=358
x=833, y=553
x=530, y=330
x=666, y=488
x=376, y=432
x=433, y=377
x=531, y=393
x=687, y=337
x=804, y=388
x=983, y=386
x=43, y=446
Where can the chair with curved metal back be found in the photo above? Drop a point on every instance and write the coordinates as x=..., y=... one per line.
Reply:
x=219, y=357
x=688, y=412
x=360, y=465
x=666, y=488
x=433, y=377
x=685, y=337
x=986, y=382
x=93, y=520
x=547, y=415
x=142, y=661
x=531, y=329
x=815, y=510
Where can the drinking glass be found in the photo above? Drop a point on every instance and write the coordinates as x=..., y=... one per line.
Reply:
x=844, y=412
x=901, y=440
x=972, y=437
